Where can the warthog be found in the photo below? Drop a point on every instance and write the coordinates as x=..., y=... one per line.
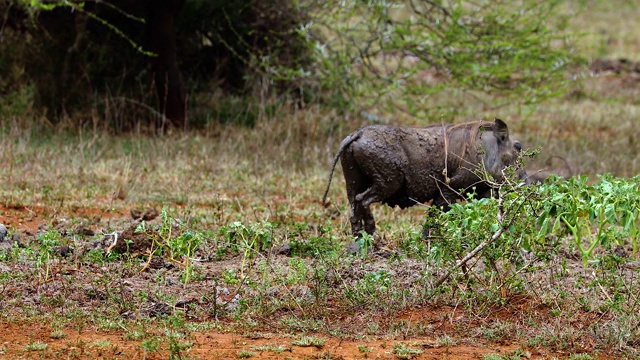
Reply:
x=406, y=166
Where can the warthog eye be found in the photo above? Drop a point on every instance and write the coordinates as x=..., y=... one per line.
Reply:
x=517, y=145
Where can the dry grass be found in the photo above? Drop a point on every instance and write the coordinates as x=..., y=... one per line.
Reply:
x=607, y=28
x=281, y=165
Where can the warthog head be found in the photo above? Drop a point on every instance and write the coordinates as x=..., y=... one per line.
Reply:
x=500, y=150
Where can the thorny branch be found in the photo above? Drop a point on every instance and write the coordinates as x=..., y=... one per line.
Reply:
x=478, y=248
x=504, y=224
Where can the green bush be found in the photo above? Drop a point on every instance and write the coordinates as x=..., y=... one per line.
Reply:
x=524, y=224
x=414, y=55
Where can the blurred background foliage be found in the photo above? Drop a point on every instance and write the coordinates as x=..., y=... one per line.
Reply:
x=88, y=63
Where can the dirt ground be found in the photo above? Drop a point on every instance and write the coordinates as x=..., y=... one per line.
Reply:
x=19, y=338
x=217, y=345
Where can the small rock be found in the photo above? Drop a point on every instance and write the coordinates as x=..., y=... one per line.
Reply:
x=157, y=309
x=352, y=248
x=63, y=251
x=620, y=251
x=220, y=290
x=135, y=214
x=273, y=291
x=284, y=249
x=82, y=230
x=16, y=239
x=184, y=303
x=99, y=244
x=3, y=232
x=159, y=263
x=150, y=214
x=6, y=246
x=147, y=215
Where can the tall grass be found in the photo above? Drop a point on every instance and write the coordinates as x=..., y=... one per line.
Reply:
x=606, y=28
x=595, y=133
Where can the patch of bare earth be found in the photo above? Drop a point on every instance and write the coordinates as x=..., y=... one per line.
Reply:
x=90, y=343
x=437, y=332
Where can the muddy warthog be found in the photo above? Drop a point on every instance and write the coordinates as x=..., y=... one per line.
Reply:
x=406, y=166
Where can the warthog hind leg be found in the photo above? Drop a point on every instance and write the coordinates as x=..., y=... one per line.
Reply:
x=356, y=219
x=376, y=193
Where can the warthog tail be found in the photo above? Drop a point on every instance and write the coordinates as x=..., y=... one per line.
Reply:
x=346, y=142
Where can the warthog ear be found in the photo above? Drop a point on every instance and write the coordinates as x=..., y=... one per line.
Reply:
x=500, y=130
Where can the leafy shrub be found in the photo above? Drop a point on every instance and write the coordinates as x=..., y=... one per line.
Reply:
x=526, y=223
x=603, y=214
x=350, y=55
x=413, y=55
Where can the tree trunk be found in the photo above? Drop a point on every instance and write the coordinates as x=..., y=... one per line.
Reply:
x=161, y=38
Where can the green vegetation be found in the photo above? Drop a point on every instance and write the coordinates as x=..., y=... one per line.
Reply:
x=226, y=231
x=305, y=341
x=271, y=347
x=421, y=58
x=433, y=59
x=245, y=354
x=36, y=346
x=404, y=351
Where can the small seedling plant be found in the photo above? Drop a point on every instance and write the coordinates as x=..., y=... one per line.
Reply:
x=48, y=241
x=604, y=214
x=249, y=239
x=176, y=241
